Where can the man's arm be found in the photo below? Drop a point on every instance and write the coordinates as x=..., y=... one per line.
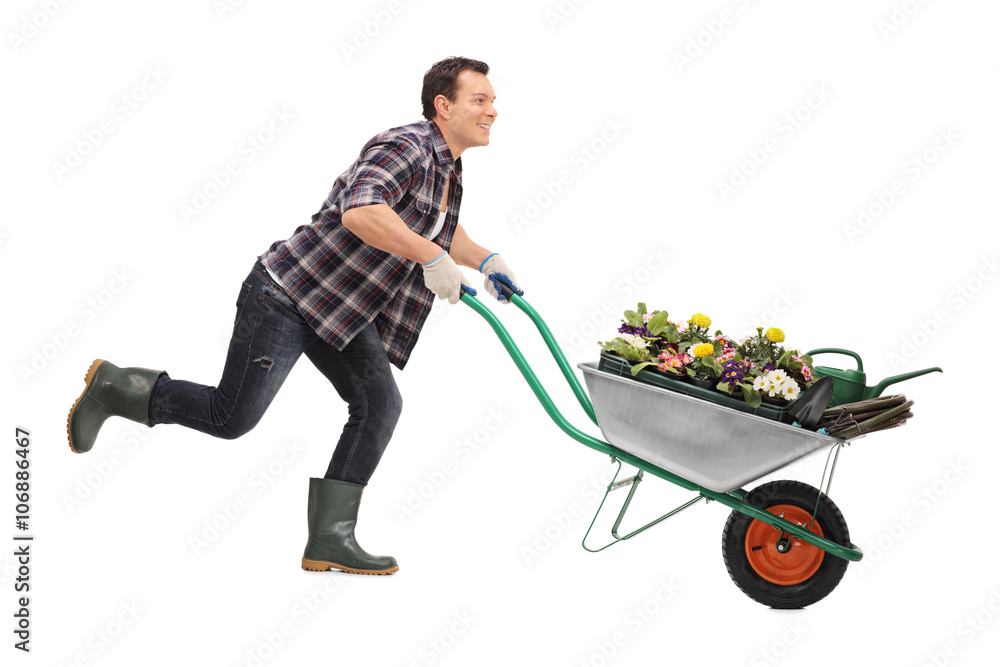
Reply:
x=379, y=226
x=466, y=252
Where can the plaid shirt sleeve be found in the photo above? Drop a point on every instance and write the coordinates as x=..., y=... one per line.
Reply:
x=385, y=171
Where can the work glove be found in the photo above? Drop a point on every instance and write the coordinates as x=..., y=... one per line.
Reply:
x=443, y=277
x=496, y=272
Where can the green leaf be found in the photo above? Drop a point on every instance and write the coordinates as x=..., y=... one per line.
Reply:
x=657, y=323
x=750, y=396
x=639, y=367
x=633, y=319
x=724, y=387
x=642, y=308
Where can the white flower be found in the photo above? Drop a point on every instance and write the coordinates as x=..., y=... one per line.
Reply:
x=635, y=341
x=790, y=390
x=778, y=376
x=759, y=383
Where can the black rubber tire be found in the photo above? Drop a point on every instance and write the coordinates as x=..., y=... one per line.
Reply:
x=797, y=596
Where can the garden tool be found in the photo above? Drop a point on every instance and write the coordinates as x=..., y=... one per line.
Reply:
x=849, y=385
x=808, y=408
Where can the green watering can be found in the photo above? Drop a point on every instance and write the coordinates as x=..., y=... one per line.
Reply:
x=849, y=385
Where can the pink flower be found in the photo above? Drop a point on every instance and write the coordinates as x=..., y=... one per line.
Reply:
x=727, y=354
x=662, y=367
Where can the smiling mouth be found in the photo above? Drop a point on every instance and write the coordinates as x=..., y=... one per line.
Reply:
x=484, y=126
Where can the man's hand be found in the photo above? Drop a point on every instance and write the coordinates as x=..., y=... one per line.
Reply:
x=496, y=272
x=443, y=277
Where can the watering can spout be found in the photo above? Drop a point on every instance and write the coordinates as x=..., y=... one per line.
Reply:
x=849, y=385
x=872, y=392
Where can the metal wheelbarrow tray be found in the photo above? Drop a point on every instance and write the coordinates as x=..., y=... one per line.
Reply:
x=712, y=445
x=785, y=544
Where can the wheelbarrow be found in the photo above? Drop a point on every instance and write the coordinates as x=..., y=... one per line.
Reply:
x=785, y=543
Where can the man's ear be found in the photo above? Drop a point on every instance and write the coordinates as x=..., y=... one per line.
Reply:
x=443, y=107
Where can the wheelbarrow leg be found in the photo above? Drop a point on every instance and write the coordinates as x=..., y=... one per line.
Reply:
x=633, y=482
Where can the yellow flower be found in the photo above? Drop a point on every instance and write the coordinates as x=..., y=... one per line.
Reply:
x=775, y=335
x=703, y=350
x=700, y=320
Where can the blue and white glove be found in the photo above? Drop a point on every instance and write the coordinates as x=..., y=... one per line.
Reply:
x=443, y=277
x=496, y=272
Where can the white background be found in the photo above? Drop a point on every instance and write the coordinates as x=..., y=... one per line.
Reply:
x=641, y=218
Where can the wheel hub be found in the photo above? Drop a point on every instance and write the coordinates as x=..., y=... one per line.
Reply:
x=781, y=558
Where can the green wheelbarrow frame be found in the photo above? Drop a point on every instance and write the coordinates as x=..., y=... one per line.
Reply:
x=733, y=499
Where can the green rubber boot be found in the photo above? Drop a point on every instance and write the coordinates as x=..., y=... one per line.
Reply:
x=333, y=513
x=110, y=392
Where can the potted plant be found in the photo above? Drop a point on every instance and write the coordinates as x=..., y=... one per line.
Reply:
x=777, y=375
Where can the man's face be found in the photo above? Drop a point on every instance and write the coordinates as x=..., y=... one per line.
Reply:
x=470, y=117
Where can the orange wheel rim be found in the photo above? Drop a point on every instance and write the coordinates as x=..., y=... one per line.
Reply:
x=795, y=565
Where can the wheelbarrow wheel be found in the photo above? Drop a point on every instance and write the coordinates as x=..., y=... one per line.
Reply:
x=799, y=575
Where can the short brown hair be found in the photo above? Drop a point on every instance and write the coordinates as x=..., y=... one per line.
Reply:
x=441, y=79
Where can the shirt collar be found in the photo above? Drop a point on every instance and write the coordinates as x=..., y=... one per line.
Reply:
x=443, y=154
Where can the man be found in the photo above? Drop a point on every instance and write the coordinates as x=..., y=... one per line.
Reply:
x=350, y=290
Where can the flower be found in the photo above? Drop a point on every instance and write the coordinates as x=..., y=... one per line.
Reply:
x=727, y=354
x=637, y=331
x=807, y=373
x=760, y=382
x=733, y=372
x=703, y=350
x=775, y=335
x=674, y=361
x=700, y=320
x=778, y=377
x=789, y=390
x=634, y=341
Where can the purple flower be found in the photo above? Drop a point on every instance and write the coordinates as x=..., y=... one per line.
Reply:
x=635, y=331
x=733, y=371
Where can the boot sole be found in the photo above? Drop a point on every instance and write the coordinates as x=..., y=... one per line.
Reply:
x=323, y=566
x=87, y=380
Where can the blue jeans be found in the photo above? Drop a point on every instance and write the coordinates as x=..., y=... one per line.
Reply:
x=269, y=335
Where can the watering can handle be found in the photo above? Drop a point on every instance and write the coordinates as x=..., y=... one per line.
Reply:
x=837, y=350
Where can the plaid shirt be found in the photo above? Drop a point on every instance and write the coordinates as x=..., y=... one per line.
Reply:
x=339, y=282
